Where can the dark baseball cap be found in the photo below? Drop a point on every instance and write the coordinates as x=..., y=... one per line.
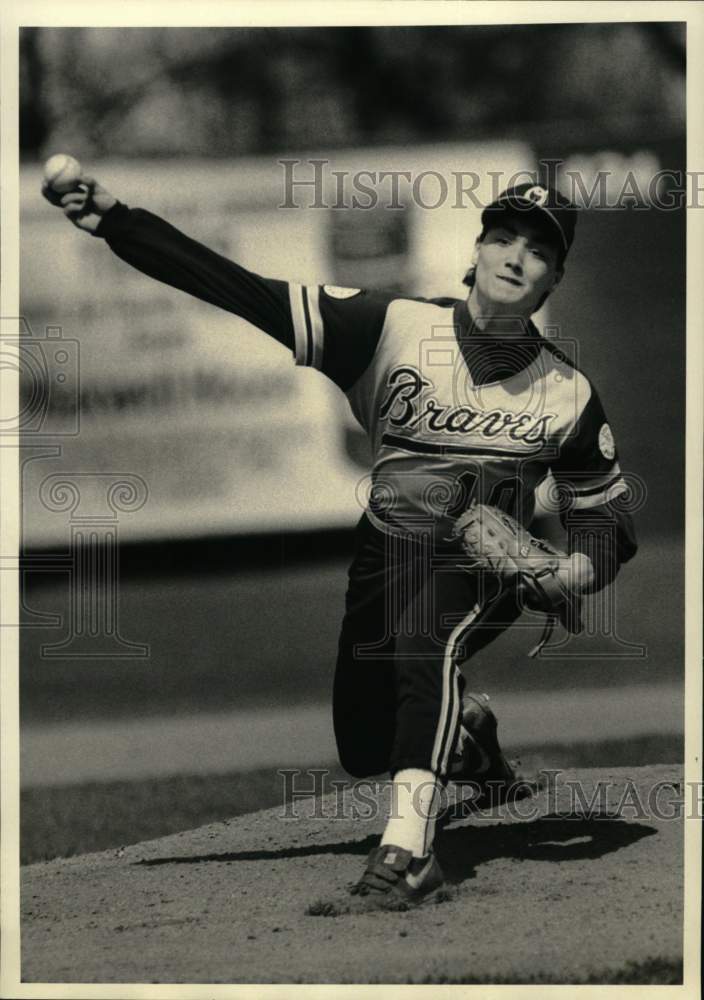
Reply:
x=555, y=210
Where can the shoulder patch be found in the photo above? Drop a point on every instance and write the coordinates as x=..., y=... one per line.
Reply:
x=607, y=446
x=339, y=292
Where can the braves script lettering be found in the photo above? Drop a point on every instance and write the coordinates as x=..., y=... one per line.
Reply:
x=401, y=406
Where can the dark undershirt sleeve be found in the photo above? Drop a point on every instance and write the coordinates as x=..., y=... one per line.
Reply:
x=588, y=470
x=606, y=535
x=161, y=251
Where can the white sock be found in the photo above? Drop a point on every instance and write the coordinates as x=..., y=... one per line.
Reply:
x=415, y=800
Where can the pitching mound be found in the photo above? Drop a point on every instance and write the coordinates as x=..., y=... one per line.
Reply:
x=582, y=883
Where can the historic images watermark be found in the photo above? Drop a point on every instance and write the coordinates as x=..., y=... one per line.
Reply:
x=94, y=503
x=313, y=794
x=47, y=367
x=316, y=183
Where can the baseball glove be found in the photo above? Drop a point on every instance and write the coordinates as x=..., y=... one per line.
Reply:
x=495, y=542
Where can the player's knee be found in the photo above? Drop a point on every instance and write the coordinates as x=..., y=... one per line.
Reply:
x=362, y=765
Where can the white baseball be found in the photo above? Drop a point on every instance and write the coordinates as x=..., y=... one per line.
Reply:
x=62, y=172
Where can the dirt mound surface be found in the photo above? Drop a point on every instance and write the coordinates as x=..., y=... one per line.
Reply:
x=582, y=880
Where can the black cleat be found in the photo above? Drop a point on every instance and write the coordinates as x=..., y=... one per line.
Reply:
x=480, y=760
x=393, y=880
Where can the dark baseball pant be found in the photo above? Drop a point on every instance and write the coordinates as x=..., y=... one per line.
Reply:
x=408, y=624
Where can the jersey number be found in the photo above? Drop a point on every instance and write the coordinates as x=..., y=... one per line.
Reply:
x=503, y=494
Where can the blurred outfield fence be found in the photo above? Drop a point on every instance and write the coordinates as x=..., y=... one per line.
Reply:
x=225, y=435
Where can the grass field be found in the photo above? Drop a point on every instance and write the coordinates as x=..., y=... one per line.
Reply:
x=666, y=972
x=270, y=637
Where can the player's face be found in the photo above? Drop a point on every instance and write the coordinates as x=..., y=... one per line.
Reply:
x=516, y=264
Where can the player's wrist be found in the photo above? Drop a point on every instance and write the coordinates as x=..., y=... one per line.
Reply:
x=111, y=219
x=576, y=573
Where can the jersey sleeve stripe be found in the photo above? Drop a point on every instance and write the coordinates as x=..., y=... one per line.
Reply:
x=300, y=329
x=598, y=485
x=591, y=499
x=316, y=326
x=309, y=333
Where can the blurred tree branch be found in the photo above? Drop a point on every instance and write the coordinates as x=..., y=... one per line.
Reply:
x=224, y=92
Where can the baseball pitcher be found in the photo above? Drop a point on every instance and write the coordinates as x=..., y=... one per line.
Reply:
x=468, y=408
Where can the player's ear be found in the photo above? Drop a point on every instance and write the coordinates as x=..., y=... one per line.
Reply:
x=469, y=273
x=559, y=272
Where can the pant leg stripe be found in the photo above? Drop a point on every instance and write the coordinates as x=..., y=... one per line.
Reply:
x=457, y=716
x=450, y=707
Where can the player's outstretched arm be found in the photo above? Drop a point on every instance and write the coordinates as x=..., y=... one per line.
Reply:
x=337, y=334
x=159, y=250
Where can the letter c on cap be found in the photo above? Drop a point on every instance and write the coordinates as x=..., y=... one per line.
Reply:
x=536, y=194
